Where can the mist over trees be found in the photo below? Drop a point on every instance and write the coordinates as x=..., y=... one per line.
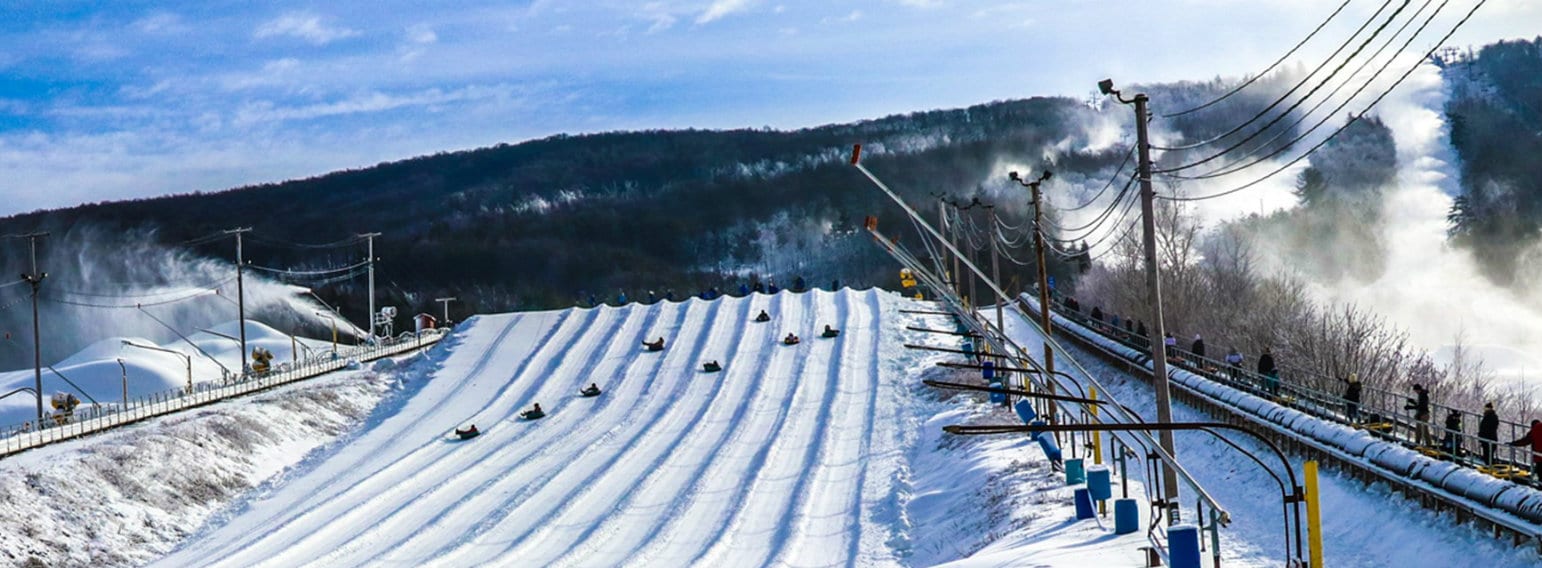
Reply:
x=1495, y=116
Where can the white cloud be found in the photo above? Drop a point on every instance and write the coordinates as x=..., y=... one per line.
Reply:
x=721, y=8
x=303, y=26
x=265, y=111
x=421, y=35
x=848, y=18
x=163, y=23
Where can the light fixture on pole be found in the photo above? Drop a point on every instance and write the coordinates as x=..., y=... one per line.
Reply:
x=1153, y=283
x=189, y=358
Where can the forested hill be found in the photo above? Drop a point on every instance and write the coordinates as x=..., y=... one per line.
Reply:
x=1495, y=115
x=547, y=222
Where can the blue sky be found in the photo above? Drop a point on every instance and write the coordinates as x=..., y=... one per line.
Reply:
x=114, y=100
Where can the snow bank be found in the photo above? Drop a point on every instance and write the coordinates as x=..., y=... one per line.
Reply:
x=94, y=373
x=124, y=498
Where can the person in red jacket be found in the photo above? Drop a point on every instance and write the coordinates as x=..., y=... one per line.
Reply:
x=1533, y=438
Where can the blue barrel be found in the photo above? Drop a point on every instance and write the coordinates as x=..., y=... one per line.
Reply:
x=1183, y=546
x=1074, y=474
x=1099, y=483
x=1025, y=411
x=997, y=397
x=988, y=369
x=1126, y=516
x=1047, y=443
x=1083, y=504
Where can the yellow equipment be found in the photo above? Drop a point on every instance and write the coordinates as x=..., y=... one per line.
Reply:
x=1504, y=471
x=262, y=360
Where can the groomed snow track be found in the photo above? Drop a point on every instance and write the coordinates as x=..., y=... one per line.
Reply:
x=768, y=462
x=1502, y=507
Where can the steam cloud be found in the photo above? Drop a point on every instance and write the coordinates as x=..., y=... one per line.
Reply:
x=90, y=268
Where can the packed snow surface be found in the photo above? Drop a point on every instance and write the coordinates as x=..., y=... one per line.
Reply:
x=769, y=461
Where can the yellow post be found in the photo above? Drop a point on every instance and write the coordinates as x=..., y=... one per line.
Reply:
x=1097, y=437
x=1313, y=516
x=1097, y=441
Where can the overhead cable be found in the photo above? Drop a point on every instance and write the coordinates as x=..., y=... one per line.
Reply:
x=1347, y=124
x=1304, y=79
x=1266, y=70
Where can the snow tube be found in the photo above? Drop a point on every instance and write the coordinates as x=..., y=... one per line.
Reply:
x=532, y=415
x=467, y=434
x=586, y=393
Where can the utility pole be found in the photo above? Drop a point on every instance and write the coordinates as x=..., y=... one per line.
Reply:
x=240, y=293
x=996, y=271
x=1159, y=381
x=371, y=260
x=446, y=302
x=1038, y=245
x=35, y=279
x=942, y=221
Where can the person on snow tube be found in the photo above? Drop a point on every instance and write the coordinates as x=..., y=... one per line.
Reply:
x=830, y=331
x=656, y=345
x=468, y=433
x=763, y=316
x=790, y=339
x=591, y=390
x=534, y=413
x=711, y=367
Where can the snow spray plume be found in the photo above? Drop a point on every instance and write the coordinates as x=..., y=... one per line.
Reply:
x=1418, y=281
x=104, y=284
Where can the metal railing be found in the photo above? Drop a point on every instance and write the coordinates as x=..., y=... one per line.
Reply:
x=1380, y=411
x=1438, y=480
x=90, y=419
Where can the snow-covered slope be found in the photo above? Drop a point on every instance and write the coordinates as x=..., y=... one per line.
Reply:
x=775, y=459
x=94, y=373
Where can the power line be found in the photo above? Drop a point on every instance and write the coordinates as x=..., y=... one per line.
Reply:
x=1308, y=77
x=1111, y=180
x=135, y=305
x=283, y=243
x=1347, y=124
x=290, y=272
x=1266, y=70
x=1098, y=221
x=1238, y=165
x=180, y=290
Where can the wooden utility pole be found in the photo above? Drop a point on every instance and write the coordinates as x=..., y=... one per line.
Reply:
x=371, y=260
x=35, y=279
x=1159, y=381
x=240, y=293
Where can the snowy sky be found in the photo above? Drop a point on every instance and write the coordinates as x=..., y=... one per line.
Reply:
x=103, y=101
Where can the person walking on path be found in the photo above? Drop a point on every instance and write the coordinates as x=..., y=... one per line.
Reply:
x=1488, y=433
x=1270, y=372
x=1421, y=409
x=1352, y=398
x=1234, y=364
x=1533, y=438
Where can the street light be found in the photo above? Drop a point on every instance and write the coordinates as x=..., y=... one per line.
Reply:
x=125, y=383
x=189, y=358
x=1153, y=279
x=334, y=329
x=1038, y=245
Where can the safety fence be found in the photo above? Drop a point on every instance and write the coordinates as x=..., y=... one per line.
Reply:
x=1383, y=413
x=90, y=419
x=1370, y=454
